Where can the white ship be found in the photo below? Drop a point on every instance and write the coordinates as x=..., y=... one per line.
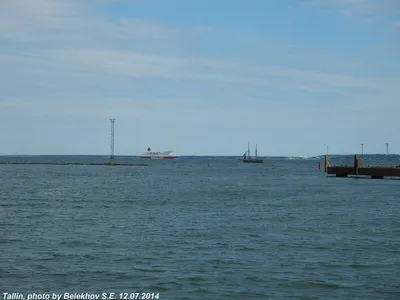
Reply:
x=158, y=155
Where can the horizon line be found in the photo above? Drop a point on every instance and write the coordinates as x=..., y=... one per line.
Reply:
x=200, y=155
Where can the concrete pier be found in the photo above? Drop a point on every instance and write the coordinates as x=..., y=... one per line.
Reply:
x=358, y=170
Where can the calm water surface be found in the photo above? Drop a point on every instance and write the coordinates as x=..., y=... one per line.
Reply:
x=186, y=230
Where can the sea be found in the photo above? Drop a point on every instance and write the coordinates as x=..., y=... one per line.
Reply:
x=197, y=228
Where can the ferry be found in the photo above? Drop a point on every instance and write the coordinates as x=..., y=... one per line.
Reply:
x=158, y=155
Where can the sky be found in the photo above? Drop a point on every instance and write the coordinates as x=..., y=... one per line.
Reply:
x=200, y=77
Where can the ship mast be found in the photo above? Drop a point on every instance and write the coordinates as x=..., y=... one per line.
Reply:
x=256, y=151
x=248, y=149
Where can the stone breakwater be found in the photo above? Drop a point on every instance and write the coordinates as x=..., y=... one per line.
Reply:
x=70, y=164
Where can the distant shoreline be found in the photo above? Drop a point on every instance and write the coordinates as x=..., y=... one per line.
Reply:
x=188, y=156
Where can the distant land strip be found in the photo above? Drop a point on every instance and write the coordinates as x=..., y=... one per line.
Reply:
x=72, y=164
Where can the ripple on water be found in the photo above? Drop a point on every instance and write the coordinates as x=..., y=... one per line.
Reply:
x=191, y=232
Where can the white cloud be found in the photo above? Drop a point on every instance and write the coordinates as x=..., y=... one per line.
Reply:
x=23, y=20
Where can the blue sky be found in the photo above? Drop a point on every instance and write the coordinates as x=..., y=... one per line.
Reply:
x=199, y=77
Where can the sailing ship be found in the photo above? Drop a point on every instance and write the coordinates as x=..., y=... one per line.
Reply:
x=247, y=158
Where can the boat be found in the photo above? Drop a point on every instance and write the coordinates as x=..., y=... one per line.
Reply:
x=158, y=155
x=247, y=158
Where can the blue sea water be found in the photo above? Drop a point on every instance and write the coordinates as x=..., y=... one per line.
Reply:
x=199, y=228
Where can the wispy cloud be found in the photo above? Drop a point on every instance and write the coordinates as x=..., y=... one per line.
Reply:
x=59, y=58
x=23, y=20
x=365, y=10
x=88, y=63
x=69, y=22
x=62, y=35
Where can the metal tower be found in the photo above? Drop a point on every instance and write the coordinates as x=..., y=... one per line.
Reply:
x=387, y=148
x=112, y=139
